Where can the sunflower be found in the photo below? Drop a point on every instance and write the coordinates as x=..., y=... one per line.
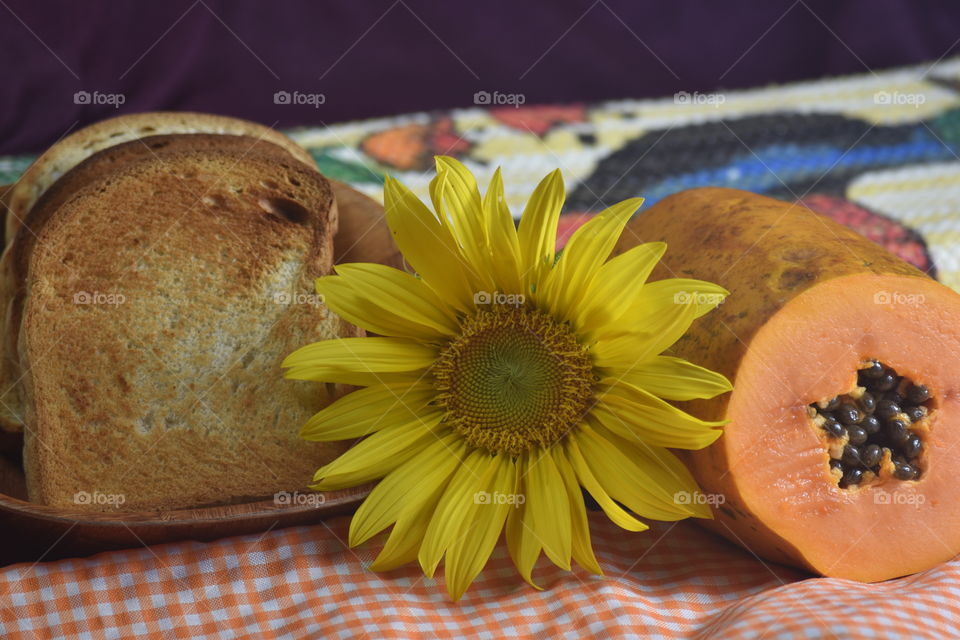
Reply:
x=504, y=379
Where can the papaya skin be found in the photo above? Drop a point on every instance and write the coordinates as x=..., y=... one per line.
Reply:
x=763, y=251
x=766, y=253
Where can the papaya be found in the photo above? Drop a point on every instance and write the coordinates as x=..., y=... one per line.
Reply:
x=841, y=447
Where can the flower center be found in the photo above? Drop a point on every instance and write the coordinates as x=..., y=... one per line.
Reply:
x=513, y=379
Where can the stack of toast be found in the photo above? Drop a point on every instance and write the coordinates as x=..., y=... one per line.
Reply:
x=158, y=268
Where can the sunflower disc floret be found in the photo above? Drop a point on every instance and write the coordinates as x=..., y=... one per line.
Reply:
x=513, y=380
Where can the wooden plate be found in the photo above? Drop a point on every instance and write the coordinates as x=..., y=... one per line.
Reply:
x=30, y=532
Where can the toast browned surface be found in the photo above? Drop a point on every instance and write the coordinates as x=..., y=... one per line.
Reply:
x=162, y=297
x=13, y=261
x=78, y=146
x=111, y=159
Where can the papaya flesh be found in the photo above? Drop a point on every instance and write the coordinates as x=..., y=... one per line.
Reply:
x=811, y=303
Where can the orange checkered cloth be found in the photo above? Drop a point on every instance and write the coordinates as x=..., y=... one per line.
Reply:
x=673, y=581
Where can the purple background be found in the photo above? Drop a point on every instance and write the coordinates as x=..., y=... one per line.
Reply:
x=379, y=58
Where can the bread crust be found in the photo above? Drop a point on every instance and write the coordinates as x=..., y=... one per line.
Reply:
x=362, y=232
x=80, y=145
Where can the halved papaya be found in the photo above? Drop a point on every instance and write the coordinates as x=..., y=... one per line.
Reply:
x=841, y=451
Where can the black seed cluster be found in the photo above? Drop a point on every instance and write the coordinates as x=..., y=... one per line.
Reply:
x=878, y=421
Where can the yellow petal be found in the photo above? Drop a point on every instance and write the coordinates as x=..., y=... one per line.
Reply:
x=583, y=256
x=398, y=292
x=348, y=303
x=522, y=544
x=634, y=483
x=417, y=481
x=676, y=379
x=618, y=284
x=467, y=555
x=427, y=245
x=626, y=351
x=379, y=454
x=367, y=410
x=455, y=508
x=538, y=227
x=585, y=477
x=456, y=200
x=403, y=543
x=634, y=414
x=549, y=506
x=504, y=245
x=580, y=548
x=663, y=465
x=357, y=378
x=672, y=292
x=324, y=361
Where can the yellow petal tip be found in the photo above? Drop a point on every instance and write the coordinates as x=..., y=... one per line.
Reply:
x=533, y=584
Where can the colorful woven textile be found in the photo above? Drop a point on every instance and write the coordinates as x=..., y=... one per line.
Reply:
x=877, y=152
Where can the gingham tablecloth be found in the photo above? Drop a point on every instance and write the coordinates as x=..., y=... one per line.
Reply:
x=673, y=581
x=878, y=152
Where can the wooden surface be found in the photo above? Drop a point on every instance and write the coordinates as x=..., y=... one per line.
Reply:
x=30, y=532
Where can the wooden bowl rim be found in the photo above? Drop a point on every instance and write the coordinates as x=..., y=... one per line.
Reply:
x=255, y=509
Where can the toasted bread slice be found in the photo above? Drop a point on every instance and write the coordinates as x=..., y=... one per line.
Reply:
x=362, y=233
x=80, y=145
x=162, y=298
x=96, y=166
